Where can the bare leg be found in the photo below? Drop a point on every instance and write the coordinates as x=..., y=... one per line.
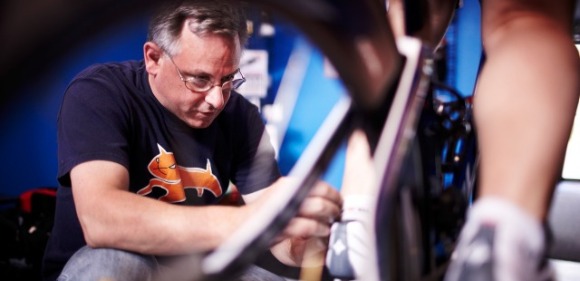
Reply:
x=524, y=108
x=351, y=244
x=526, y=99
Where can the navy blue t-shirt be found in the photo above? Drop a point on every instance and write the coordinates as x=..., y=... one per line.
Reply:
x=109, y=113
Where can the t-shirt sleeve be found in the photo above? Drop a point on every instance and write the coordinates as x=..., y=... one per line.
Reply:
x=256, y=166
x=91, y=125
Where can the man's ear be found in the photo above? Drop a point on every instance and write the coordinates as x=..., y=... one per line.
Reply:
x=152, y=54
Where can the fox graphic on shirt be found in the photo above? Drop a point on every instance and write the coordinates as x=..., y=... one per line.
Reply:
x=174, y=179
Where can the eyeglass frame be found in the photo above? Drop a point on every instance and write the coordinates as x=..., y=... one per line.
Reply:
x=236, y=83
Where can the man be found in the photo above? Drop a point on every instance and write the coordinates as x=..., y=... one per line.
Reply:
x=141, y=142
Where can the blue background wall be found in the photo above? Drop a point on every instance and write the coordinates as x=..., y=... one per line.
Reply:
x=28, y=122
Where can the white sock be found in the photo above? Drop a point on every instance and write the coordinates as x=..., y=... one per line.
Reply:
x=518, y=242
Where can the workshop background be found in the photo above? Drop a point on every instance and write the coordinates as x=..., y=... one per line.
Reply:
x=28, y=118
x=288, y=79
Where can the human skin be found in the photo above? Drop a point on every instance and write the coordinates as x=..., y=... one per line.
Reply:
x=525, y=100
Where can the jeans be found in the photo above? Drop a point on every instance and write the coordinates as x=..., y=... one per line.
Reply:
x=90, y=264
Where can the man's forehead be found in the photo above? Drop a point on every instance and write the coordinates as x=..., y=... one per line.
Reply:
x=194, y=27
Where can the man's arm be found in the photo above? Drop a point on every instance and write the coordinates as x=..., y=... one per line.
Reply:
x=113, y=217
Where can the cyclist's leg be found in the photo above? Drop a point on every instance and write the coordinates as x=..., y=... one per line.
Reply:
x=351, y=240
x=526, y=99
x=524, y=107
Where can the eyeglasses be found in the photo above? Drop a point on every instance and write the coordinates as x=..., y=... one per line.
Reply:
x=202, y=85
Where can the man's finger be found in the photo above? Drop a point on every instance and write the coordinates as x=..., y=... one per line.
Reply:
x=320, y=209
x=323, y=189
x=306, y=228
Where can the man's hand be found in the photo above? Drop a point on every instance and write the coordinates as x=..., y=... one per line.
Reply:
x=306, y=236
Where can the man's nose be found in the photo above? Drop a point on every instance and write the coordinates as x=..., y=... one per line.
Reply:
x=215, y=97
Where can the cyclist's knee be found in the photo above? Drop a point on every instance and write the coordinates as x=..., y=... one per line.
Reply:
x=504, y=19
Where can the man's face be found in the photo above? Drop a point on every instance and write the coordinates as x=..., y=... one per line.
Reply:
x=208, y=57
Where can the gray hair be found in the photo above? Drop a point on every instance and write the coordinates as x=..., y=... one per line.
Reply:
x=203, y=17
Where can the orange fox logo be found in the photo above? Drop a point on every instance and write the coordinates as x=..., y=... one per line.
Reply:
x=174, y=179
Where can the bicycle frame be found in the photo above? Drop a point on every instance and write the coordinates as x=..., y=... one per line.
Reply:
x=386, y=104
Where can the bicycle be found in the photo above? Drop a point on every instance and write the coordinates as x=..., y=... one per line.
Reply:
x=390, y=83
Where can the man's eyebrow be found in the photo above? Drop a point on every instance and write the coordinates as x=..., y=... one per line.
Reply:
x=201, y=73
x=196, y=73
x=231, y=74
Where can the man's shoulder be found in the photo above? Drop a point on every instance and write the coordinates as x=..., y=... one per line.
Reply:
x=238, y=103
x=115, y=85
x=109, y=79
x=241, y=112
x=241, y=116
x=125, y=68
